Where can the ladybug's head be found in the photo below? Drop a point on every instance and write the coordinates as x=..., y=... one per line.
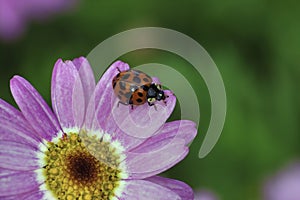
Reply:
x=155, y=93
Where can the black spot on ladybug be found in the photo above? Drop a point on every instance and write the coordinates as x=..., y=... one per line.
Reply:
x=118, y=75
x=145, y=87
x=136, y=72
x=140, y=94
x=139, y=100
x=136, y=79
x=146, y=80
x=128, y=95
x=126, y=76
x=122, y=85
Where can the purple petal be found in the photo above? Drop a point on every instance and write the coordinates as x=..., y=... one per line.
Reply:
x=18, y=183
x=100, y=105
x=155, y=80
x=10, y=197
x=12, y=24
x=6, y=171
x=17, y=156
x=205, y=195
x=183, y=129
x=116, y=132
x=15, y=15
x=131, y=127
x=87, y=77
x=13, y=197
x=141, y=121
x=32, y=195
x=67, y=95
x=143, y=165
x=35, y=195
x=146, y=190
x=285, y=185
x=34, y=108
x=42, y=9
x=180, y=188
x=14, y=127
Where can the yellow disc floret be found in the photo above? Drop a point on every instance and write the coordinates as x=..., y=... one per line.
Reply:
x=84, y=167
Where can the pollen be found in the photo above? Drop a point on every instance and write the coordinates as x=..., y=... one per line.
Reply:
x=80, y=166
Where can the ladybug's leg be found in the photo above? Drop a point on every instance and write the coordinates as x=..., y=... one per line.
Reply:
x=120, y=102
x=118, y=69
x=131, y=103
x=165, y=102
x=152, y=104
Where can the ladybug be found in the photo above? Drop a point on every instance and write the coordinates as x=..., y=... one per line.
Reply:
x=134, y=87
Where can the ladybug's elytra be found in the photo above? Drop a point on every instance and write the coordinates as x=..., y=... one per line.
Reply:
x=134, y=87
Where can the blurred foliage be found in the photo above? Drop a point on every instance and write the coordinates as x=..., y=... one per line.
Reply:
x=256, y=46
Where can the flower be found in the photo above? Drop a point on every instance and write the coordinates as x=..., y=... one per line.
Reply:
x=88, y=147
x=205, y=195
x=16, y=14
x=285, y=185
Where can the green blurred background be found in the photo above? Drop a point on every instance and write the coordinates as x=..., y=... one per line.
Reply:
x=256, y=46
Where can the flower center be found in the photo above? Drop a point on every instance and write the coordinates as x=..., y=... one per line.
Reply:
x=79, y=166
x=82, y=167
